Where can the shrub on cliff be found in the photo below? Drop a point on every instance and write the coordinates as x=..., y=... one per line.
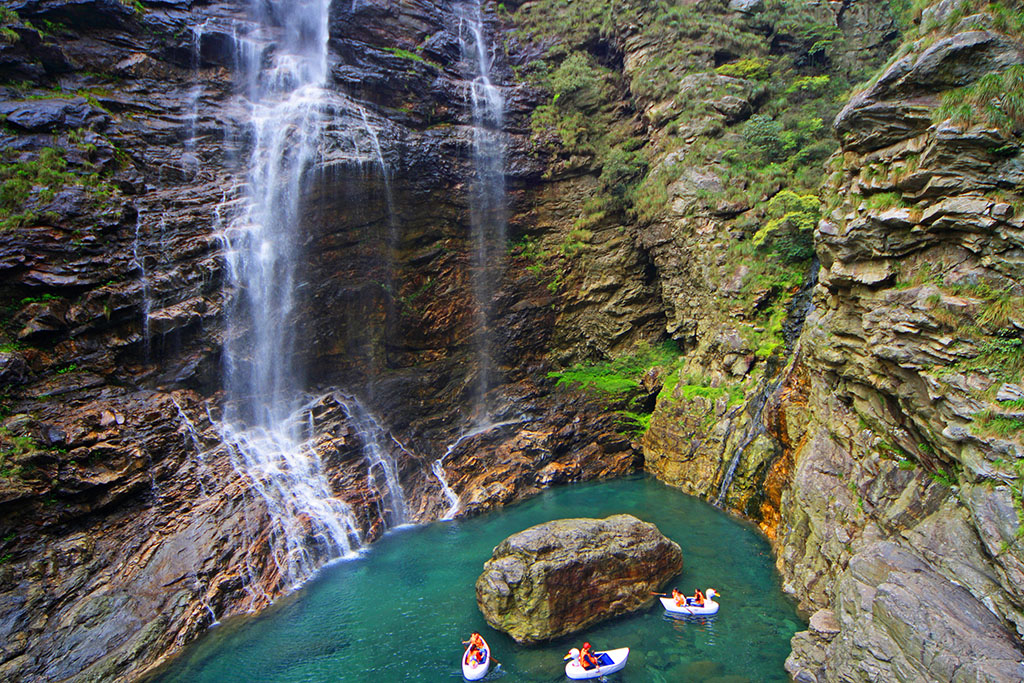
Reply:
x=764, y=135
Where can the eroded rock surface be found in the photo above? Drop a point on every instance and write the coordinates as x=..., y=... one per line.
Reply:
x=127, y=526
x=900, y=519
x=563, y=576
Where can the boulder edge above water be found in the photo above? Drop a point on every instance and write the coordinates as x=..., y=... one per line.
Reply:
x=562, y=576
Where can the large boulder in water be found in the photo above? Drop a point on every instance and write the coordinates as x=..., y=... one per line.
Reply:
x=563, y=576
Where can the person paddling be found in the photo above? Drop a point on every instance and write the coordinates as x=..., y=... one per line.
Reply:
x=678, y=597
x=587, y=658
x=476, y=647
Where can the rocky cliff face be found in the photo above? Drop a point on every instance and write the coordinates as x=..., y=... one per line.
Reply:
x=899, y=530
x=877, y=448
x=128, y=525
x=663, y=175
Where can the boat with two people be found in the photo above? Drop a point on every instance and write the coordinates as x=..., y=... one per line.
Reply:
x=477, y=658
x=698, y=605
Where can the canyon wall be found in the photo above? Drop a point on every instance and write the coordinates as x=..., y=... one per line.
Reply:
x=900, y=528
x=866, y=415
x=818, y=329
x=128, y=523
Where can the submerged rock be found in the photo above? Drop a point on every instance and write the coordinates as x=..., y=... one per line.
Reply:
x=563, y=576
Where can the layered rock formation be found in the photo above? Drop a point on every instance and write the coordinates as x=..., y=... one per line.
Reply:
x=900, y=527
x=560, y=577
x=128, y=525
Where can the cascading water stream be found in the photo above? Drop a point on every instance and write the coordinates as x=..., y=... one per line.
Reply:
x=797, y=312
x=384, y=171
x=193, y=438
x=437, y=467
x=488, y=217
x=283, y=59
x=190, y=159
x=147, y=300
x=755, y=429
x=454, y=502
x=382, y=467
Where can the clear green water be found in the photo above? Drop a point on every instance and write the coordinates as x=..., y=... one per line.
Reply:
x=400, y=611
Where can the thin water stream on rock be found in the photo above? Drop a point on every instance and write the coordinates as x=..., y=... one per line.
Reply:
x=487, y=200
x=400, y=610
x=796, y=313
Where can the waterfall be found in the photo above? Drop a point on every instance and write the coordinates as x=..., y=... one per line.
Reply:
x=309, y=524
x=283, y=60
x=488, y=218
x=382, y=467
x=437, y=467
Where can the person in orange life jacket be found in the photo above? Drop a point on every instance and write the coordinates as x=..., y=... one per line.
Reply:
x=476, y=648
x=698, y=598
x=587, y=658
x=678, y=597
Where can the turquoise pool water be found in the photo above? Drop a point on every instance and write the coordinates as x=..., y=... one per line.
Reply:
x=400, y=611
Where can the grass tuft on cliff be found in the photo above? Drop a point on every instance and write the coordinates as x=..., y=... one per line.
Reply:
x=995, y=99
x=29, y=184
x=621, y=374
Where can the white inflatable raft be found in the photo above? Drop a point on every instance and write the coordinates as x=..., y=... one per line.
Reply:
x=474, y=671
x=690, y=609
x=616, y=659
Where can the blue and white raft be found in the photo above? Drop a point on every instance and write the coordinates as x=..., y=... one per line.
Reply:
x=473, y=670
x=609, y=662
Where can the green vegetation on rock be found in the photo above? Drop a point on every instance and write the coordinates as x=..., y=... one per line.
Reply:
x=791, y=90
x=12, y=446
x=28, y=185
x=620, y=379
x=621, y=374
x=995, y=99
x=990, y=422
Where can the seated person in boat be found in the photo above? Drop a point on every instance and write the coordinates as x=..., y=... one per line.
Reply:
x=698, y=598
x=476, y=648
x=678, y=597
x=587, y=658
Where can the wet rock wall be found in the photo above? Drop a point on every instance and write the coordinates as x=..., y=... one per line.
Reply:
x=127, y=528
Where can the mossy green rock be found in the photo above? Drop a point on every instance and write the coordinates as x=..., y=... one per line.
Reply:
x=563, y=576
